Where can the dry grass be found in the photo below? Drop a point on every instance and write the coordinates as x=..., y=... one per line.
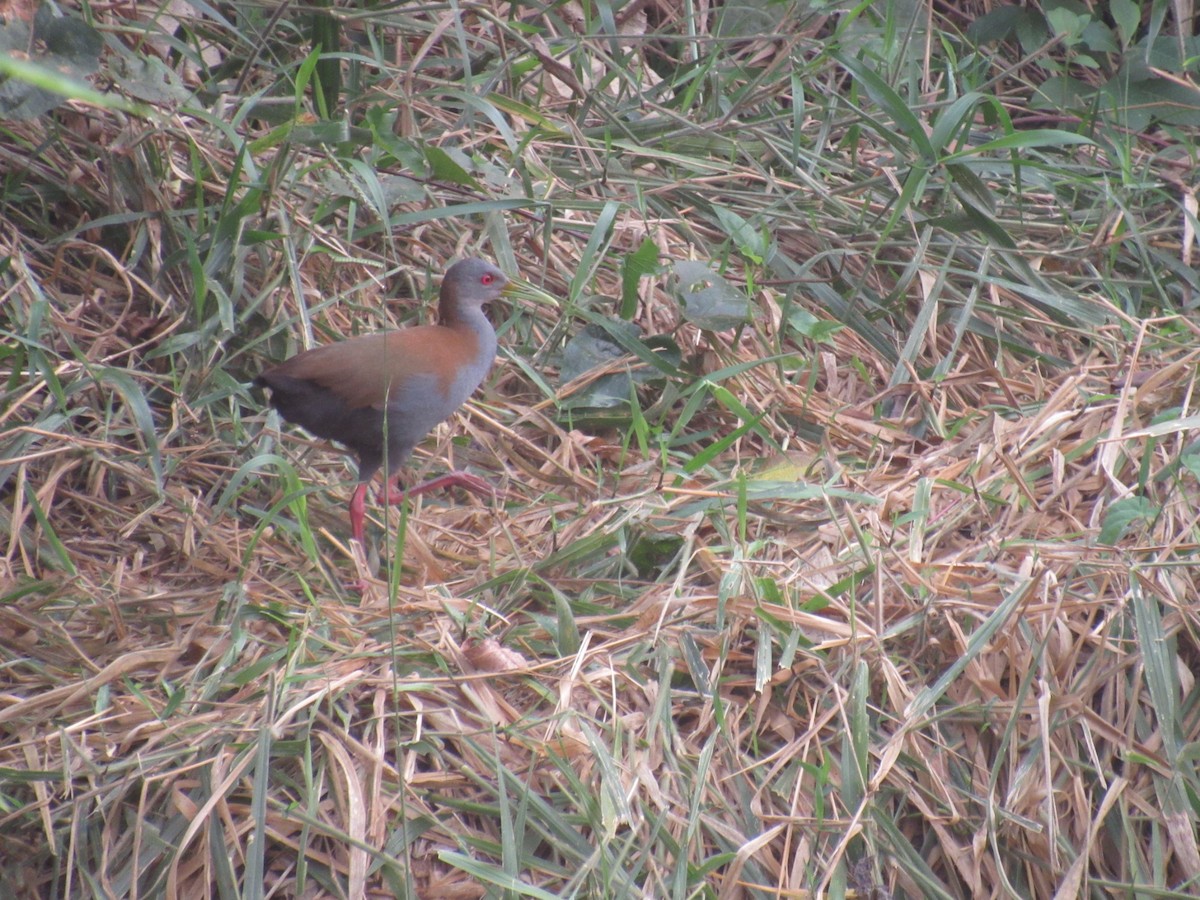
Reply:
x=904, y=607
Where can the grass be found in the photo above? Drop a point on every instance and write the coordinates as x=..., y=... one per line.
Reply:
x=847, y=537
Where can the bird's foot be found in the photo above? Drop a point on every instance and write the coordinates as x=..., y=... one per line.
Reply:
x=393, y=494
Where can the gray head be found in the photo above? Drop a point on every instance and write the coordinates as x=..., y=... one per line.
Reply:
x=469, y=284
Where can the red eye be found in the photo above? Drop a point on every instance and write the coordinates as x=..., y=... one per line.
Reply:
x=488, y=279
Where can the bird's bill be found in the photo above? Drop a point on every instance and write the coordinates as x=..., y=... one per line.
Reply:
x=518, y=289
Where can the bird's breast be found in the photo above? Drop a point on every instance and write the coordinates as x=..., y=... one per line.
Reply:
x=434, y=374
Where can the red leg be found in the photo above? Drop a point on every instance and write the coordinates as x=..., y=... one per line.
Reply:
x=358, y=511
x=393, y=494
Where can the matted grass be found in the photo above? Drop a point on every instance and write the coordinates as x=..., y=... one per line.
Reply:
x=865, y=565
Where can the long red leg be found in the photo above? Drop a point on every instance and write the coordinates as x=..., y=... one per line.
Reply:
x=358, y=511
x=393, y=494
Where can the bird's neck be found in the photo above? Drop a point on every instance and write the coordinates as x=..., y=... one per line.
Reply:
x=474, y=322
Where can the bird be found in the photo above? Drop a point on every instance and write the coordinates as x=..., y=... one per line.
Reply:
x=379, y=394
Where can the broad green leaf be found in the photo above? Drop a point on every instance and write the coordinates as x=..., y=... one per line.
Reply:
x=634, y=267
x=751, y=18
x=1068, y=26
x=149, y=78
x=446, y=168
x=753, y=243
x=1123, y=515
x=710, y=302
x=1142, y=103
x=65, y=51
x=996, y=25
x=594, y=348
x=1062, y=92
x=808, y=325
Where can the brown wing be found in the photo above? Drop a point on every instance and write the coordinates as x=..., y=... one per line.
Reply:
x=364, y=371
